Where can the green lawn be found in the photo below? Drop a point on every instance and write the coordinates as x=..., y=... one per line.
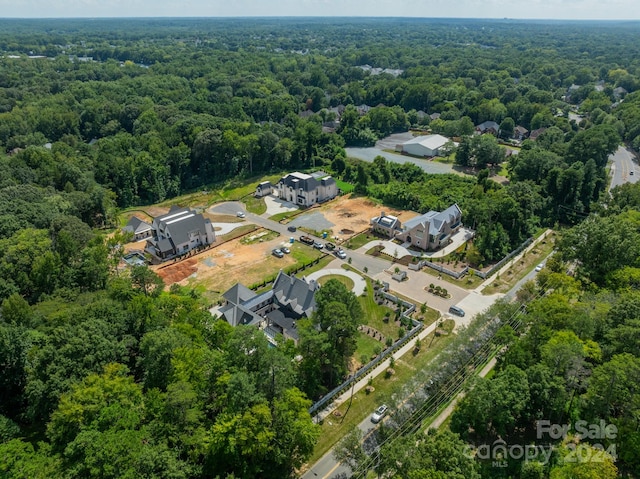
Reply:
x=360, y=240
x=348, y=282
x=344, y=186
x=255, y=205
x=283, y=215
x=334, y=428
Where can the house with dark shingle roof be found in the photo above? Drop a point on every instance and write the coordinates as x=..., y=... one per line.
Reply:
x=432, y=230
x=488, y=127
x=274, y=311
x=178, y=232
x=307, y=190
x=140, y=229
x=386, y=225
x=263, y=189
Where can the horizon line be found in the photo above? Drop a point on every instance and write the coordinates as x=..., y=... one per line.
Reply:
x=258, y=17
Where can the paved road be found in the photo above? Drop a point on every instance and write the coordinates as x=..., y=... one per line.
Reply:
x=429, y=166
x=473, y=302
x=624, y=168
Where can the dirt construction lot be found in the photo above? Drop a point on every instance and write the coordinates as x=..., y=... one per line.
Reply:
x=355, y=214
x=217, y=269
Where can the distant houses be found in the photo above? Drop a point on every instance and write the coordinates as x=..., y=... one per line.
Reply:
x=428, y=232
x=490, y=127
x=307, y=190
x=275, y=311
x=178, y=232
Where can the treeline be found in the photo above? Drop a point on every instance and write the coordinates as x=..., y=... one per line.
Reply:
x=562, y=401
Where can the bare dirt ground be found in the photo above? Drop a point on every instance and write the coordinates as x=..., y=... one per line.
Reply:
x=219, y=268
x=355, y=213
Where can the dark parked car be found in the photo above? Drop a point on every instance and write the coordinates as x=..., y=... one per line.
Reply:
x=330, y=246
x=292, y=228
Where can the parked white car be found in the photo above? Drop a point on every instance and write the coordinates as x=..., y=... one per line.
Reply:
x=379, y=413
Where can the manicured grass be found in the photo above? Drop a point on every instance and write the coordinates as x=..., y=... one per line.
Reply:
x=255, y=205
x=366, y=347
x=334, y=428
x=374, y=314
x=281, y=216
x=304, y=254
x=360, y=240
x=344, y=186
x=520, y=268
x=348, y=282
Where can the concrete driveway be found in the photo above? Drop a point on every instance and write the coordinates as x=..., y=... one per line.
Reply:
x=275, y=205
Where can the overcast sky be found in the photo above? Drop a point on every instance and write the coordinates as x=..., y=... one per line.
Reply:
x=547, y=9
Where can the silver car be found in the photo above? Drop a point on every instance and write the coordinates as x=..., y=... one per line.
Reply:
x=379, y=413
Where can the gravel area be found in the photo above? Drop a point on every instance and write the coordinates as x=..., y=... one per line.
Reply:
x=315, y=221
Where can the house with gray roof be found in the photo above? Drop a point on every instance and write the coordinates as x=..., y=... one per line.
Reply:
x=263, y=189
x=307, y=190
x=432, y=230
x=274, y=311
x=488, y=127
x=139, y=228
x=179, y=231
x=386, y=225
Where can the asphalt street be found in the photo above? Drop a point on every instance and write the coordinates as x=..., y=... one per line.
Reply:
x=623, y=167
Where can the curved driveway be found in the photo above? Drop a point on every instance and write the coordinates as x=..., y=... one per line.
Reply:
x=359, y=284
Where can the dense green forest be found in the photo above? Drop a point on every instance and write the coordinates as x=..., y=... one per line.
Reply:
x=105, y=374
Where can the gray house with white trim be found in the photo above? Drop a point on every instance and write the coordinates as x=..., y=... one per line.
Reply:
x=307, y=190
x=140, y=229
x=179, y=231
x=274, y=311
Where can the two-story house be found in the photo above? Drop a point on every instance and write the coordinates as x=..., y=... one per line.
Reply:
x=178, y=232
x=307, y=190
x=275, y=311
x=432, y=230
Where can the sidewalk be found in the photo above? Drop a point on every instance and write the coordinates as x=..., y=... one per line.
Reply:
x=477, y=297
x=508, y=264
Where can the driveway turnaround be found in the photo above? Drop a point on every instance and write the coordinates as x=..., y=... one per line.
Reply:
x=359, y=284
x=275, y=205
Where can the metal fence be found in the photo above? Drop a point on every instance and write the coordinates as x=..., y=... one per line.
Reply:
x=417, y=326
x=503, y=261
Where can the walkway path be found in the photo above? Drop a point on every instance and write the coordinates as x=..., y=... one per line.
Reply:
x=395, y=250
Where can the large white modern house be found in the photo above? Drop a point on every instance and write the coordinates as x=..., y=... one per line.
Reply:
x=307, y=190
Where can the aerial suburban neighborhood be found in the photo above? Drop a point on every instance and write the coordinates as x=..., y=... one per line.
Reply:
x=298, y=247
